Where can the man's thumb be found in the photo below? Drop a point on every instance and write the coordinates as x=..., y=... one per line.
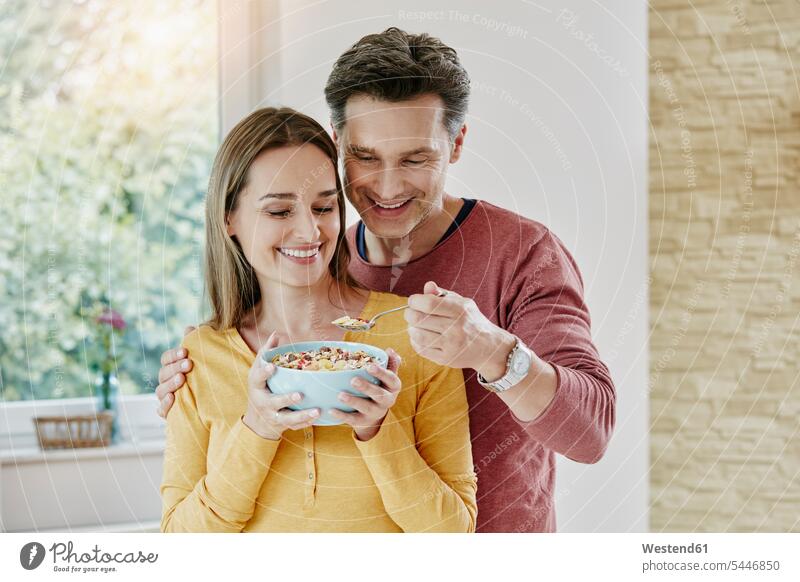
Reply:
x=431, y=288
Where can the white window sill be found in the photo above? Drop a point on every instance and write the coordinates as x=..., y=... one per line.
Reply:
x=132, y=527
x=27, y=455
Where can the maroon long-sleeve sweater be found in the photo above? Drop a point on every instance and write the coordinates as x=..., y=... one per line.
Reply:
x=524, y=280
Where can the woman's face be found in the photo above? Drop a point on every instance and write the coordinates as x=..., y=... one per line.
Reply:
x=287, y=218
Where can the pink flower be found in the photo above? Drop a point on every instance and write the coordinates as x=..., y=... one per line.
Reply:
x=112, y=318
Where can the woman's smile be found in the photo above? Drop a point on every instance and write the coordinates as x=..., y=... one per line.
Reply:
x=301, y=254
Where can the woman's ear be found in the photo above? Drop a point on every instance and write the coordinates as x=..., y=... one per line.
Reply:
x=229, y=226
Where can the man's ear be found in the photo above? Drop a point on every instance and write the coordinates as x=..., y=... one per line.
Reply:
x=458, y=144
x=335, y=136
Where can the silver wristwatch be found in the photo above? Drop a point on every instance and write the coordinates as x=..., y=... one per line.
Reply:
x=517, y=367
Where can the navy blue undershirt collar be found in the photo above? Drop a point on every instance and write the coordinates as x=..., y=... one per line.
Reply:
x=469, y=204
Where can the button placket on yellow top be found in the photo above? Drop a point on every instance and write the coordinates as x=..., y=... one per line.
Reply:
x=310, y=467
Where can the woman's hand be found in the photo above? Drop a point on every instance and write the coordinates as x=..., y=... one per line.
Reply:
x=266, y=413
x=370, y=412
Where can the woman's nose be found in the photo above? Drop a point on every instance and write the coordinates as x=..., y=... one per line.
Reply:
x=306, y=225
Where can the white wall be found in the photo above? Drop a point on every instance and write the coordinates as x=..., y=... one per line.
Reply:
x=557, y=132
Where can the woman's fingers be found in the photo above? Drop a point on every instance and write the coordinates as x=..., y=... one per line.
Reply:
x=394, y=360
x=288, y=418
x=267, y=413
x=380, y=395
x=272, y=341
x=389, y=379
x=351, y=418
x=354, y=419
x=371, y=409
x=260, y=372
x=363, y=405
x=278, y=401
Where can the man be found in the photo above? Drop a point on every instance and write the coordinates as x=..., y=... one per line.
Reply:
x=513, y=316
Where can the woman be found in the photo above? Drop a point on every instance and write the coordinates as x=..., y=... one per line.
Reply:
x=276, y=272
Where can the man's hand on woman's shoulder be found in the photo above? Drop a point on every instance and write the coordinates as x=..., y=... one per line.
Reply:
x=174, y=363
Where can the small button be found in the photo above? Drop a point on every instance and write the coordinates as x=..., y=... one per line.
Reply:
x=311, y=475
x=310, y=454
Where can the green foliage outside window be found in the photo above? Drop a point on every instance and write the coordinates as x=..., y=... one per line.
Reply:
x=108, y=127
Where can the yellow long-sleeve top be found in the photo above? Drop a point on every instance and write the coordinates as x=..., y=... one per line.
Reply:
x=416, y=474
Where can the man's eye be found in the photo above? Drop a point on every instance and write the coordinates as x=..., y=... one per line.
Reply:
x=416, y=162
x=324, y=210
x=365, y=158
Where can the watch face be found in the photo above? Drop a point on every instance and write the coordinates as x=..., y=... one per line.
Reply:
x=521, y=363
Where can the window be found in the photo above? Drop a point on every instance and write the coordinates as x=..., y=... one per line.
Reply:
x=108, y=128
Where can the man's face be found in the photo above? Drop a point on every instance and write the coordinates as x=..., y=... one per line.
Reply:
x=395, y=161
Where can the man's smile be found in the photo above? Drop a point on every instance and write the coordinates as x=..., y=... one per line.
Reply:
x=389, y=209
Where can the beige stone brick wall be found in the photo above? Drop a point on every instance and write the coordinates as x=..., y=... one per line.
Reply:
x=725, y=265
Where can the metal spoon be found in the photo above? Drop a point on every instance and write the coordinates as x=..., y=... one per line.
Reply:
x=357, y=324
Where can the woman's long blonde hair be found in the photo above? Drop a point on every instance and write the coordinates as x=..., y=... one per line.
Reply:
x=231, y=282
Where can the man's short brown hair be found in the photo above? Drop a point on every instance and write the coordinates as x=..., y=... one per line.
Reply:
x=395, y=66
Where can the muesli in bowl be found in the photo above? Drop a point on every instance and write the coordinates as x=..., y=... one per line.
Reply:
x=311, y=369
x=326, y=358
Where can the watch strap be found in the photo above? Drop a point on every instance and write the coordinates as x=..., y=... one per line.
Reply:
x=508, y=379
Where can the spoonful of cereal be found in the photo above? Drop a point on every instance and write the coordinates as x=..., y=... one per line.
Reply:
x=348, y=323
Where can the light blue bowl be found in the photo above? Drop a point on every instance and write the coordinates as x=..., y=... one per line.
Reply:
x=320, y=388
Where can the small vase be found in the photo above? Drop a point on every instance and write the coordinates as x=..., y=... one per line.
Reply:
x=107, y=392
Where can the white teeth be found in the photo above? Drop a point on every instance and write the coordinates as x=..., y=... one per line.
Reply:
x=395, y=206
x=300, y=254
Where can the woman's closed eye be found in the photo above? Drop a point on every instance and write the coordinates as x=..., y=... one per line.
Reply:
x=288, y=212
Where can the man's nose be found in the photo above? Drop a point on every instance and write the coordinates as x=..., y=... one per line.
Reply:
x=388, y=184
